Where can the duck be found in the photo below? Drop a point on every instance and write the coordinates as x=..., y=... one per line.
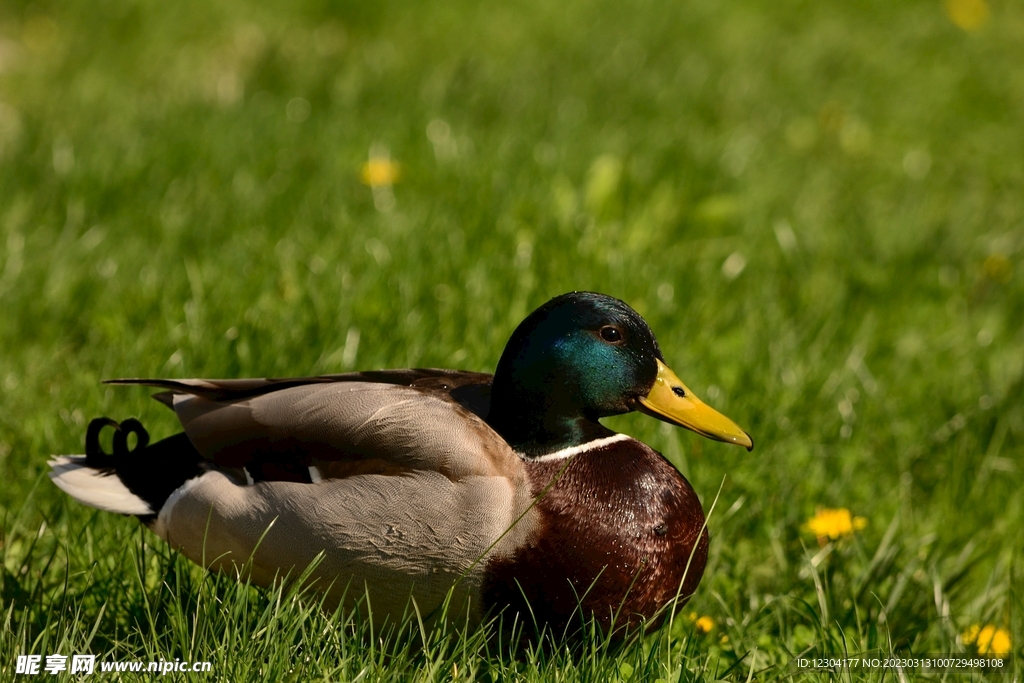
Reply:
x=442, y=491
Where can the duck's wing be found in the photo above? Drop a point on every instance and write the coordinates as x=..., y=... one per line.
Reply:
x=333, y=426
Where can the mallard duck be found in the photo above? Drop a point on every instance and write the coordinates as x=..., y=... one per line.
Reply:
x=505, y=491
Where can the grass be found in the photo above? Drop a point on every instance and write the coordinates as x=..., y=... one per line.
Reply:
x=817, y=207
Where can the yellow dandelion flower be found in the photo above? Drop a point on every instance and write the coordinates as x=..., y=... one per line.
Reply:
x=998, y=268
x=705, y=624
x=380, y=172
x=834, y=523
x=967, y=14
x=988, y=639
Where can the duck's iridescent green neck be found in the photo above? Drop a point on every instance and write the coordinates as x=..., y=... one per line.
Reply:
x=534, y=433
x=562, y=370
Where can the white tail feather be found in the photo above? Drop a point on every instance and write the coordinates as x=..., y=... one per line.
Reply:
x=95, y=488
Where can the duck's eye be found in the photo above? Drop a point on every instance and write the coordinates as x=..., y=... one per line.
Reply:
x=611, y=334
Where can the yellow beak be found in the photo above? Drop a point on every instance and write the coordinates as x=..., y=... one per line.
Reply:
x=670, y=400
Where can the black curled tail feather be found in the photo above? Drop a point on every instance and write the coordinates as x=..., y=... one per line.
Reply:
x=95, y=455
x=150, y=471
x=130, y=426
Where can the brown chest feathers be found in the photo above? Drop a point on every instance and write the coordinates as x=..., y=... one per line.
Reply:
x=621, y=536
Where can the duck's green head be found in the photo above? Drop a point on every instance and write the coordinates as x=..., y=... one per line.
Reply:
x=583, y=356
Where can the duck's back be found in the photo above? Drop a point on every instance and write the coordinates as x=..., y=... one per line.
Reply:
x=328, y=425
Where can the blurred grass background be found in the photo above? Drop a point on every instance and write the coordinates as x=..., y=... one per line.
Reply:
x=817, y=206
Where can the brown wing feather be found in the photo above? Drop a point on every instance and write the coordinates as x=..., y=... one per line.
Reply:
x=344, y=424
x=234, y=389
